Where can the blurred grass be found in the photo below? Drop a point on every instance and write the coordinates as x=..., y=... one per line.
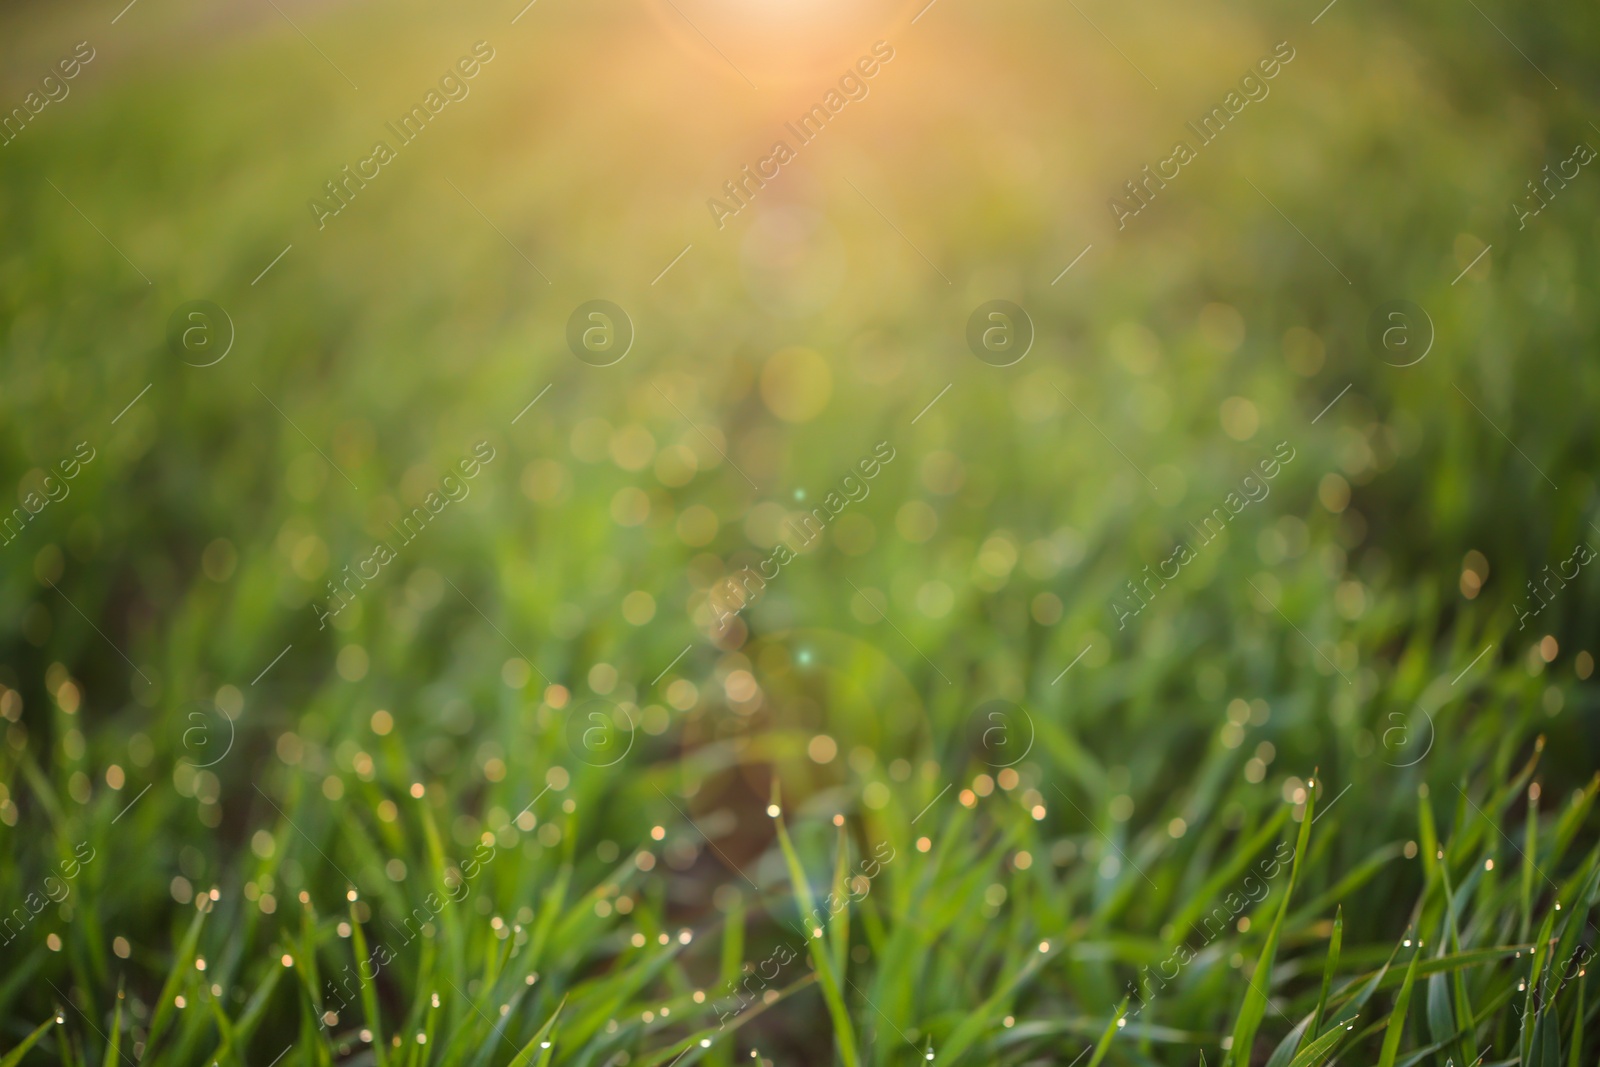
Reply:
x=407, y=330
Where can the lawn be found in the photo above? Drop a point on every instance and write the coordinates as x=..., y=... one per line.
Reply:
x=700, y=532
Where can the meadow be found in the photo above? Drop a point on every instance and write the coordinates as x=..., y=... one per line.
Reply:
x=669, y=735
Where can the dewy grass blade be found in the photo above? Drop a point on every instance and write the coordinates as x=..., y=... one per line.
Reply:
x=844, y=1033
x=14, y=1057
x=369, y=993
x=542, y=1042
x=1427, y=839
x=685, y=1050
x=1576, y=1045
x=114, y=1046
x=1315, y=1054
x=184, y=962
x=1254, y=1007
x=1284, y=1053
x=1397, y=1018
x=1531, y=1015
x=1104, y=1044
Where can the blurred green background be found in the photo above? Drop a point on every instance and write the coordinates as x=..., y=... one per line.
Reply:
x=1360, y=622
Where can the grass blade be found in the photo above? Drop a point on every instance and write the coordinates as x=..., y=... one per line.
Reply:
x=523, y=1058
x=369, y=993
x=1577, y=1023
x=1335, y=942
x=114, y=1049
x=182, y=967
x=1104, y=1044
x=1530, y=847
x=1397, y=1018
x=1284, y=1053
x=14, y=1057
x=1314, y=1053
x=844, y=1033
x=1254, y=1007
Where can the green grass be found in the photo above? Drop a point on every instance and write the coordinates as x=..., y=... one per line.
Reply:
x=219, y=808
